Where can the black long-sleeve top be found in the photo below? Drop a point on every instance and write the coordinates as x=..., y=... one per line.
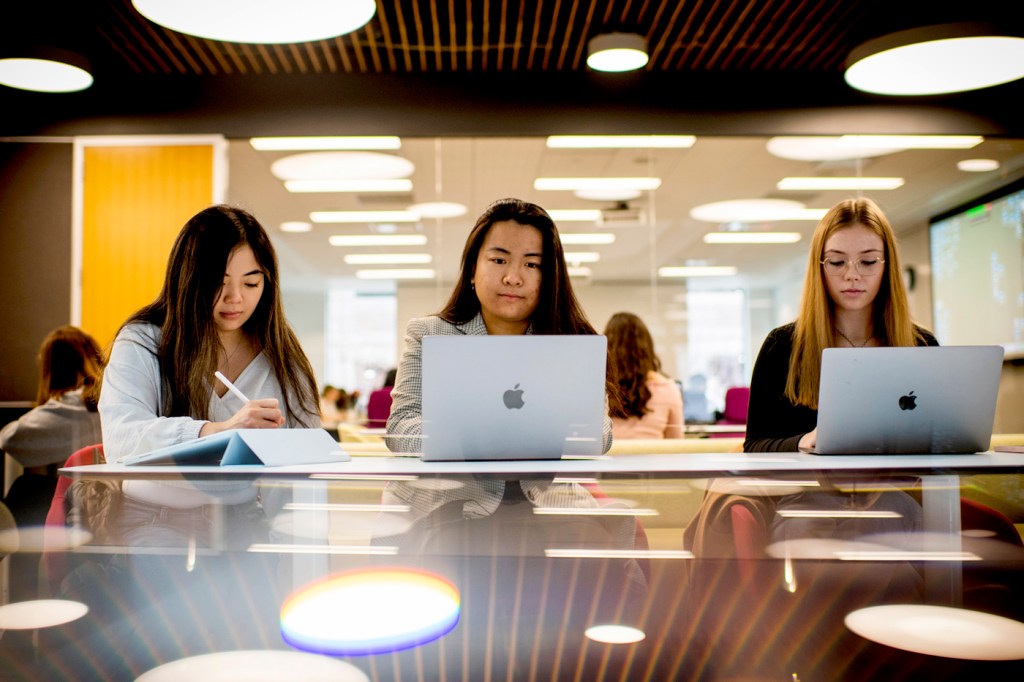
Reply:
x=774, y=423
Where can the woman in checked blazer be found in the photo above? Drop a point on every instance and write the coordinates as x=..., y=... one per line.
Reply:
x=513, y=280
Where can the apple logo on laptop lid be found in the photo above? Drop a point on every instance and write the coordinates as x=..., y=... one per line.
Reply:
x=513, y=398
x=908, y=402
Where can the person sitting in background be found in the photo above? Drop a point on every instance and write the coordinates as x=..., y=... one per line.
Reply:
x=379, y=406
x=330, y=413
x=63, y=420
x=651, y=405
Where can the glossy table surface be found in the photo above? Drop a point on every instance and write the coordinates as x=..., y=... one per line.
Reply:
x=725, y=566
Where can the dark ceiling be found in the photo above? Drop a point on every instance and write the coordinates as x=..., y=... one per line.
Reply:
x=469, y=67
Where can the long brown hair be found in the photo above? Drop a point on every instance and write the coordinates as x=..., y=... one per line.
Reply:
x=631, y=357
x=183, y=310
x=558, y=311
x=69, y=359
x=815, y=325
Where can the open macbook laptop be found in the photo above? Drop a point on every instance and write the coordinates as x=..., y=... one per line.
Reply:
x=921, y=400
x=513, y=397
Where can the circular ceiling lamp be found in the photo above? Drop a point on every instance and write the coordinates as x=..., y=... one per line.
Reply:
x=617, y=52
x=46, y=70
x=977, y=165
x=255, y=665
x=342, y=166
x=935, y=60
x=815, y=148
x=259, y=21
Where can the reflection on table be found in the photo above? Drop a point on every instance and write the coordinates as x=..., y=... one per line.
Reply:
x=594, y=571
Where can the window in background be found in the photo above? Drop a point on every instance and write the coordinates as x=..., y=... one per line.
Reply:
x=360, y=340
x=716, y=349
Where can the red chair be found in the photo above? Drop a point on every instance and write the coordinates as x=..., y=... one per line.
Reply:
x=53, y=565
x=737, y=399
x=90, y=454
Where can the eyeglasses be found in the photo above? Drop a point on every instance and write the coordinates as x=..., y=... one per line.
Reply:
x=865, y=266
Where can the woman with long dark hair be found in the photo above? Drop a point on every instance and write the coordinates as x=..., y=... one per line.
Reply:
x=650, y=404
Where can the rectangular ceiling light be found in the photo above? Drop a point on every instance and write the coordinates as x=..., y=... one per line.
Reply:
x=877, y=183
x=912, y=141
x=596, y=183
x=396, y=273
x=587, y=238
x=264, y=144
x=697, y=271
x=581, y=215
x=579, y=271
x=387, y=258
x=377, y=239
x=361, y=185
x=751, y=237
x=363, y=217
x=577, y=257
x=620, y=141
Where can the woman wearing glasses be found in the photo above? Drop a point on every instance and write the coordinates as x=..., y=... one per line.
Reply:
x=853, y=297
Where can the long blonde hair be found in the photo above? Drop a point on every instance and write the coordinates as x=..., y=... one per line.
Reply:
x=815, y=326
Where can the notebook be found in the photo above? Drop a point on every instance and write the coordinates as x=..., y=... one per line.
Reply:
x=920, y=400
x=249, y=446
x=513, y=397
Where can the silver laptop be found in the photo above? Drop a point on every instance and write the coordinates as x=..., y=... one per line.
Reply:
x=513, y=397
x=920, y=400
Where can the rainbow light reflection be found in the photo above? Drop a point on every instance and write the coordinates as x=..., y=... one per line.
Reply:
x=364, y=612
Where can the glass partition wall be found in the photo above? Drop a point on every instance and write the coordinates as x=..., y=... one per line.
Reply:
x=707, y=241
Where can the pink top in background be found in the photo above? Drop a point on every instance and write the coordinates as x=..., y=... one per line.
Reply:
x=664, y=418
x=378, y=408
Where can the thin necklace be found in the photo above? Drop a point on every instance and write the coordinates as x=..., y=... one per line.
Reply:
x=847, y=338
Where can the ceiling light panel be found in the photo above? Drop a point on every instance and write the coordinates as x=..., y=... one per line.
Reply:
x=751, y=237
x=977, y=165
x=342, y=166
x=587, y=238
x=620, y=141
x=901, y=142
x=582, y=215
x=244, y=21
x=576, y=257
x=377, y=239
x=356, y=185
x=387, y=258
x=570, y=184
x=363, y=217
x=697, y=271
x=396, y=273
x=837, y=183
x=363, y=143
x=439, y=209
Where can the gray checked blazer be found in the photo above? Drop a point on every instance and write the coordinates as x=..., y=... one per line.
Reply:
x=406, y=419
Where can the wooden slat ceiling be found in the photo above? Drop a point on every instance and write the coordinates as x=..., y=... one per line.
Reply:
x=467, y=36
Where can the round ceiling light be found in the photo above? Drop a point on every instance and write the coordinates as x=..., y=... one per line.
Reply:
x=246, y=21
x=935, y=60
x=747, y=210
x=977, y=165
x=616, y=52
x=256, y=665
x=814, y=148
x=341, y=166
x=63, y=73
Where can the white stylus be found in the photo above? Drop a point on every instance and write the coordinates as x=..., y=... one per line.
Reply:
x=231, y=387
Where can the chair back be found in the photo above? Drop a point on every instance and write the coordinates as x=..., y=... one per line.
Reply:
x=90, y=454
x=737, y=400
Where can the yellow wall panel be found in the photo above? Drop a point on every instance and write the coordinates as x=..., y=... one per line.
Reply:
x=135, y=201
